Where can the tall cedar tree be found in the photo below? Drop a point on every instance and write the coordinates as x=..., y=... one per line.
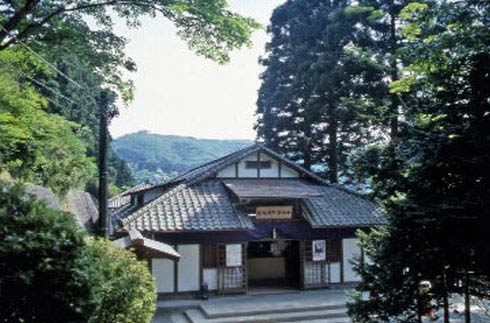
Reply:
x=307, y=106
x=438, y=208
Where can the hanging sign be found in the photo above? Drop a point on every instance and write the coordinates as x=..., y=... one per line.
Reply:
x=233, y=255
x=273, y=212
x=318, y=250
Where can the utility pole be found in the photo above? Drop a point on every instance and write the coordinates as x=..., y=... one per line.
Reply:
x=104, y=220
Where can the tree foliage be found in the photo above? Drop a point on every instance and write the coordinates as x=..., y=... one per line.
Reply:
x=93, y=56
x=395, y=95
x=309, y=104
x=50, y=271
x=436, y=201
x=123, y=289
x=39, y=253
x=37, y=146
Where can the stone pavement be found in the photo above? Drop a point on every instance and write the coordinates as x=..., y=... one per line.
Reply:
x=295, y=306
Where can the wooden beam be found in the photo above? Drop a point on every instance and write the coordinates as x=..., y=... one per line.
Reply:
x=176, y=273
x=341, y=260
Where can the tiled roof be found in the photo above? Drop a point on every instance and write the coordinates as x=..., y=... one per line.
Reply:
x=125, y=197
x=196, y=201
x=199, y=207
x=339, y=207
x=271, y=188
x=135, y=239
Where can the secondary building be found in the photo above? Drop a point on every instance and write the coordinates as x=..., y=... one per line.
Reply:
x=249, y=219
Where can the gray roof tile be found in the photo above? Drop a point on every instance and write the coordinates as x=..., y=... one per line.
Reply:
x=339, y=207
x=199, y=207
x=196, y=201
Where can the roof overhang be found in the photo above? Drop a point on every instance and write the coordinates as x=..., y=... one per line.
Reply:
x=158, y=249
x=271, y=188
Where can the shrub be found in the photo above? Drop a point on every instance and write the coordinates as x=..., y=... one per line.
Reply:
x=123, y=289
x=50, y=271
x=40, y=248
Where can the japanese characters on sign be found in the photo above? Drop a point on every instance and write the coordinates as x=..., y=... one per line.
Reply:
x=273, y=212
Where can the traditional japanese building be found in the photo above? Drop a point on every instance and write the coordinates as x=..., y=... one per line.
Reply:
x=251, y=218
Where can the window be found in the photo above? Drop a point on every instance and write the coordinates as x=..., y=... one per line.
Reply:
x=209, y=256
x=258, y=164
x=140, y=200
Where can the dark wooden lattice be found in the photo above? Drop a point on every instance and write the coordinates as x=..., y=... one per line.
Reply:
x=315, y=274
x=231, y=279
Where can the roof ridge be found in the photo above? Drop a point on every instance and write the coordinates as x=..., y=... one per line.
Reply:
x=215, y=161
x=222, y=162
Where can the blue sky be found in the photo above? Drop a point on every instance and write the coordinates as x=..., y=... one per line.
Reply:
x=180, y=93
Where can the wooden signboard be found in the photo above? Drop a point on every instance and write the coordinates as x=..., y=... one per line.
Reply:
x=273, y=212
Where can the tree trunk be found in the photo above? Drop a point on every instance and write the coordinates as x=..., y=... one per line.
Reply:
x=332, y=149
x=445, y=299
x=103, y=174
x=307, y=152
x=467, y=310
x=16, y=19
x=394, y=77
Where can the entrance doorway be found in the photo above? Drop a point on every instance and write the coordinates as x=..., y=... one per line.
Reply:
x=273, y=264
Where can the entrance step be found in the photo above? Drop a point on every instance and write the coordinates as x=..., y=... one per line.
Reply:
x=263, y=309
x=334, y=320
x=312, y=313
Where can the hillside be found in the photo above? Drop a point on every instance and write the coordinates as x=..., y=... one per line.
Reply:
x=156, y=157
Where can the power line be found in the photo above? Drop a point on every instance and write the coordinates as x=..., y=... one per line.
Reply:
x=46, y=97
x=39, y=83
x=41, y=58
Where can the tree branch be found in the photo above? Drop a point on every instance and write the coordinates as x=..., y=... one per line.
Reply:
x=62, y=9
x=17, y=18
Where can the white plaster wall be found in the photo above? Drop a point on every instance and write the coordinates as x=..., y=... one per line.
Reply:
x=163, y=272
x=335, y=272
x=287, y=172
x=188, y=275
x=227, y=172
x=247, y=172
x=210, y=276
x=351, y=250
x=269, y=172
x=244, y=172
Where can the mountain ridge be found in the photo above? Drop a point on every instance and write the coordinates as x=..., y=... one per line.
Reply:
x=155, y=157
